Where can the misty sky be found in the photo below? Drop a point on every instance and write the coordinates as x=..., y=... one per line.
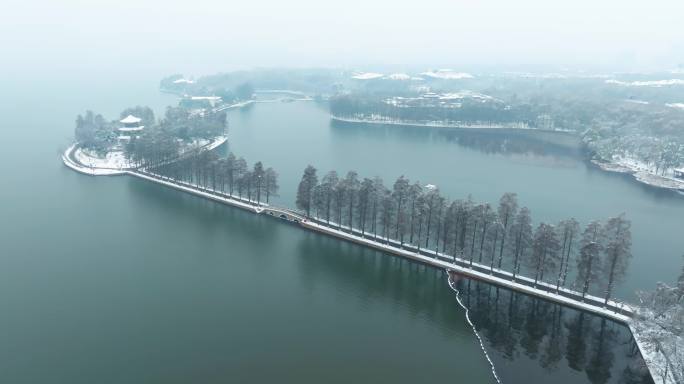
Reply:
x=199, y=37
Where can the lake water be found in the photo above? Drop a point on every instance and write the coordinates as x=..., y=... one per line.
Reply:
x=115, y=280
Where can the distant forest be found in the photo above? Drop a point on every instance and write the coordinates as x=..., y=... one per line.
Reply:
x=634, y=116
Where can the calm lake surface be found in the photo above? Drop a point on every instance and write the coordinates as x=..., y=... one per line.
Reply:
x=113, y=280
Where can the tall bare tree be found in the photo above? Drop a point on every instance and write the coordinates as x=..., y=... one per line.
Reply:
x=270, y=183
x=588, y=262
x=305, y=189
x=522, y=232
x=617, y=252
x=545, y=248
x=351, y=184
x=508, y=207
x=328, y=185
x=400, y=192
x=568, y=231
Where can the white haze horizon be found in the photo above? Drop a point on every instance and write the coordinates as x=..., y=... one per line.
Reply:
x=202, y=37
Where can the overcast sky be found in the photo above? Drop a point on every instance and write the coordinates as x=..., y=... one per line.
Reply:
x=199, y=36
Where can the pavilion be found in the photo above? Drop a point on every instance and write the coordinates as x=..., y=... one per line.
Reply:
x=131, y=126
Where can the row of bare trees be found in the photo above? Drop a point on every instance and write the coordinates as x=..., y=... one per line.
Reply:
x=502, y=237
x=229, y=175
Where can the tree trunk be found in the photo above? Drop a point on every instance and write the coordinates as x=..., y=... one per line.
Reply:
x=472, y=243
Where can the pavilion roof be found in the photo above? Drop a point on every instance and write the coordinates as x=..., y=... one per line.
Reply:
x=130, y=119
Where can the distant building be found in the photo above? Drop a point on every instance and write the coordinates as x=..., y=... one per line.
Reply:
x=679, y=173
x=545, y=121
x=130, y=126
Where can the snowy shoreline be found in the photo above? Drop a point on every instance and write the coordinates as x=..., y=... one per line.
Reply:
x=442, y=261
x=640, y=174
x=446, y=262
x=441, y=124
x=80, y=161
x=653, y=360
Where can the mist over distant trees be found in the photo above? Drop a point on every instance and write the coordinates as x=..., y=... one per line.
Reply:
x=93, y=131
x=367, y=106
x=145, y=113
x=158, y=141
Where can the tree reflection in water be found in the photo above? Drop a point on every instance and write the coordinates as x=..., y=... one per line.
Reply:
x=569, y=345
x=529, y=340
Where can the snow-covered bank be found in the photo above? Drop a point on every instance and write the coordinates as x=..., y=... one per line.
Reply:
x=641, y=172
x=675, y=105
x=474, y=273
x=194, y=190
x=447, y=74
x=615, y=311
x=114, y=162
x=443, y=124
x=366, y=76
x=434, y=259
x=241, y=104
x=647, y=83
x=280, y=91
x=67, y=159
x=654, y=345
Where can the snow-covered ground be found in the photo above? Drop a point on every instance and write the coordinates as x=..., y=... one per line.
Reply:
x=655, y=344
x=112, y=160
x=241, y=104
x=642, y=172
x=195, y=190
x=446, y=264
x=367, y=76
x=466, y=94
x=66, y=158
x=398, y=76
x=647, y=83
x=379, y=119
x=281, y=91
x=634, y=101
x=447, y=74
x=675, y=105
x=183, y=81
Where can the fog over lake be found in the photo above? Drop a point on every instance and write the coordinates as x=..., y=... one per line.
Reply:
x=116, y=279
